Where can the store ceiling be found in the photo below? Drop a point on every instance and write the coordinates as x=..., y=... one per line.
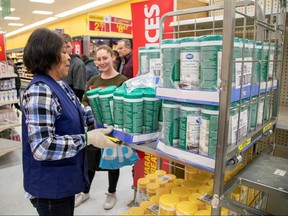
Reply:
x=24, y=8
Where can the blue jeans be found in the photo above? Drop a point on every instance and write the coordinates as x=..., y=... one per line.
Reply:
x=54, y=207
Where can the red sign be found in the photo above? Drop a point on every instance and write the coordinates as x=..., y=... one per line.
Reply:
x=146, y=165
x=2, y=48
x=121, y=25
x=98, y=23
x=77, y=47
x=146, y=24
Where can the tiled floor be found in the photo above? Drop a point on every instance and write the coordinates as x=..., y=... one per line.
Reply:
x=14, y=203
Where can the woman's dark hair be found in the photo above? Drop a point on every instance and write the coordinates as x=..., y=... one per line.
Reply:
x=43, y=50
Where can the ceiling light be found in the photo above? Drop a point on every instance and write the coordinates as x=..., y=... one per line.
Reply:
x=83, y=7
x=42, y=12
x=11, y=9
x=15, y=24
x=43, y=1
x=11, y=18
x=33, y=25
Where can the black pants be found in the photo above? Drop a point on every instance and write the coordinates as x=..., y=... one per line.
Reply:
x=54, y=207
x=93, y=156
x=113, y=176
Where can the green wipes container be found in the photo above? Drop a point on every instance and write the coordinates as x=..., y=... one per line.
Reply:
x=143, y=60
x=154, y=60
x=257, y=65
x=208, y=130
x=243, y=121
x=210, y=61
x=265, y=58
x=133, y=112
x=170, y=128
x=237, y=66
x=189, y=127
x=106, y=104
x=151, y=107
x=189, y=62
x=170, y=49
x=118, y=97
x=267, y=108
x=92, y=96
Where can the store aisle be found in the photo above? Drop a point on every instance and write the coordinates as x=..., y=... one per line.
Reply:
x=13, y=201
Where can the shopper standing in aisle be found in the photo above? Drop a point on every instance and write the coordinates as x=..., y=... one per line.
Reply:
x=53, y=132
x=124, y=49
x=76, y=78
x=91, y=68
x=116, y=59
x=109, y=76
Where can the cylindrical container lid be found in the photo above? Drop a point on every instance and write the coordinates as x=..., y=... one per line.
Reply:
x=194, y=198
x=170, y=185
x=146, y=203
x=161, y=191
x=169, y=200
x=201, y=178
x=160, y=182
x=107, y=90
x=149, y=92
x=155, y=199
x=119, y=92
x=191, y=185
x=136, y=211
x=136, y=94
x=143, y=181
x=205, y=189
x=151, y=177
x=152, y=186
x=93, y=92
x=186, y=208
x=160, y=172
x=180, y=192
x=171, y=177
x=178, y=181
x=191, y=170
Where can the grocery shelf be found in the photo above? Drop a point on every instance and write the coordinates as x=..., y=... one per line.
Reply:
x=8, y=75
x=9, y=125
x=8, y=102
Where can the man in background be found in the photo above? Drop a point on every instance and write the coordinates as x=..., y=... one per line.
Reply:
x=76, y=78
x=124, y=49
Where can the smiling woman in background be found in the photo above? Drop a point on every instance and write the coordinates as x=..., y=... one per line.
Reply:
x=53, y=128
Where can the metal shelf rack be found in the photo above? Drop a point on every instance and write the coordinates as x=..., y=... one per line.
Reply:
x=262, y=25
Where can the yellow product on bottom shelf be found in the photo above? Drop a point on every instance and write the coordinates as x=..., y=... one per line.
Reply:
x=142, y=184
x=194, y=198
x=201, y=178
x=203, y=212
x=136, y=211
x=186, y=208
x=145, y=204
x=170, y=185
x=151, y=177
x=167, y=204
x=205, y=189
x=189, y=172
x=160, y=172
x=161, y=182
x=155, y=199
x=181, y=192
x=161, y=191
x=239, y=194
x=178, y=181
x=211, y=182
x=191, y=185
x=151, y=189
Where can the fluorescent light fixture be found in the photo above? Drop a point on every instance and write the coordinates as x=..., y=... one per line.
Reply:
x=11, y=9
x=43, y=1
x=15, y=24
x=33, y=25
x=83, y=7
x=11, y=18
x=42, y=12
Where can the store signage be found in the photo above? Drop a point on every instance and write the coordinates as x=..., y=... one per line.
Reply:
x=121, y=25
x=146, y=28
x=2, y=48
x=98, y=23
x=77, y=47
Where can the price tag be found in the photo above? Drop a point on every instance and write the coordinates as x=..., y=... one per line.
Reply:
x=244, y=144
x=267, y=127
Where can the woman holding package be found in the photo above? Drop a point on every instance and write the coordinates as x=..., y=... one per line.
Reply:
x=108, y=76
x=53, y=132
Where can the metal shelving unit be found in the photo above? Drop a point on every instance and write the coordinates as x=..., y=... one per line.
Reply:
x=237, y=21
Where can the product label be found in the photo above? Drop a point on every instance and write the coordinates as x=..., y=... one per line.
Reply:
x=170, y=124
x=118, y=113
x=189, y=69
x=133, y=121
